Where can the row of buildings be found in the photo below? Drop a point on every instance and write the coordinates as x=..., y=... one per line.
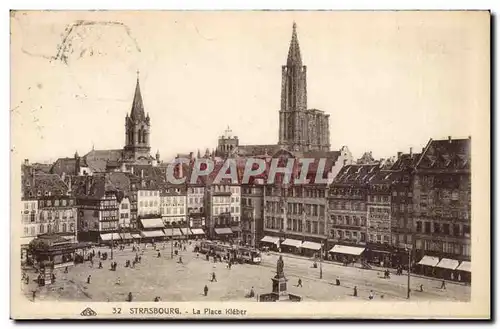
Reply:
x=418, y=201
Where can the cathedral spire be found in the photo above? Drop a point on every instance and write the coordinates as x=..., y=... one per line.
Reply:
x=294, y=58
x=137, y=112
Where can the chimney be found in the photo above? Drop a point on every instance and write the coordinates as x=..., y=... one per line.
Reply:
x=411, y=152
x=401, y=153
x=449, y=139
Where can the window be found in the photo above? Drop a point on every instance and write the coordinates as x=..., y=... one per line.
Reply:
x=427, y=227
x=456, y=230
x=446, y=228
x=56, y=203
x=33, y=233
x=379, y=238
x=25, y=231
x=32, y=216
x=63, y=202
x=466, y=230
x=41, y=229
x=49, y=203
x=363, y=237
x=437, y=227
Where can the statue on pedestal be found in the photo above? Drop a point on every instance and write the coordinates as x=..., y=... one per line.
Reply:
x=279, y=268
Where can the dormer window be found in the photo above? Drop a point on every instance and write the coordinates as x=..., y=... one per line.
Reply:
x=39, y=193
x=46, y=193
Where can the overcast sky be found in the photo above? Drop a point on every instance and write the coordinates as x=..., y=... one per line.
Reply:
x=389, y=81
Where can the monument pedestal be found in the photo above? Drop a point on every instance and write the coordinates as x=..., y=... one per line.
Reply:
x=279, y=292
x=279, y=287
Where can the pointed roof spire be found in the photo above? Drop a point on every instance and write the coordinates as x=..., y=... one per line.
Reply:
x=294, y=57
x=137, y=112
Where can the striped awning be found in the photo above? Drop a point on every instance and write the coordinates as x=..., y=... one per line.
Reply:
x=136, y=236
x=464, y=266
x=347, y=250
x=429, y=261
x=198, y=231
x=292, y=243
x=110, y=236
x=172, y=232
x=311, y=245
x=152, y=234
x=223, y=230
x=447, y=263
x=186, y=231
x=270, y=239
x=235, y=229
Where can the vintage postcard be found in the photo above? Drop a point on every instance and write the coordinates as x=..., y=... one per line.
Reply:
x=215, y=165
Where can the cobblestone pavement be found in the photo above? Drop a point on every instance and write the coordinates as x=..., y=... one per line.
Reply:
x=172, y=281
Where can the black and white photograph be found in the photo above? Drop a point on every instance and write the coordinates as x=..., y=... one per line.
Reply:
x=213, y=165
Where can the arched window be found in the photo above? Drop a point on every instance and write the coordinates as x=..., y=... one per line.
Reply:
x=72, y=227
x=64, y=227
x=41, y=228
x=49, y=228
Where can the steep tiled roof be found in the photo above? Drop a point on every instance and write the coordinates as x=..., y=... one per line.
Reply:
x=41, y=184
x=64, y=165
x=42, y=167
x=98, y=159
x=446, y=155
x=406, y=161
x=356, y=174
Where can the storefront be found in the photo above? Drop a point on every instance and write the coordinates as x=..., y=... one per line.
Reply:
x=311, y=249
x=445, y=269
x=464, y=272
x=427, y=265
x=346, y=254
x=173, y=233
x=272, y=242
x=291, y=245
x=198, y=233
x=152, y=236
x=223, y=233
x=110, y=238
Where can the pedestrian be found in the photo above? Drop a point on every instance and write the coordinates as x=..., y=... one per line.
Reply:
x=421, y=288
x=129, y=299
x=337, y=282
x=118, y=281
x=66, y=269
x=157, y=299
x=370, y=297
x=214, y=278
x=197, y=255
x=180, y=260
x=100, y=264
x=355, y=293
x=299, y=283
x=452, y=276
x=443, y=284
x=33, y=294
x=88, y=279
x=205, y=291
x=159, y=255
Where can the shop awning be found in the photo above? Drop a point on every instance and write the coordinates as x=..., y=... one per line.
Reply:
x=136, y=236
x=198, y=231
x=348, y=250
x=447, y=263
x=223, y=230
x=429, y=261
x=110, y=236
x=152, y=223
x=311, y=245
x=464, y=266
x=152, y=234
x=186, y=231
x=292, y=243
x=26, y=240
x=235, y=229
x=270, y=239
x=172, y=232
x=126, y=236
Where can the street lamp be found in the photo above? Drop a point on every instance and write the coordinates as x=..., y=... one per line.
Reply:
x=408, y=248
x=321, y=262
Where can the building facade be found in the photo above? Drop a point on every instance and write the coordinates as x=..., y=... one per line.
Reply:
x=442, y=200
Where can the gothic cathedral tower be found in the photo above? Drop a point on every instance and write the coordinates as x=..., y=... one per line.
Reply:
x=293, y=97
x=301, y=129
x=137, y=129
